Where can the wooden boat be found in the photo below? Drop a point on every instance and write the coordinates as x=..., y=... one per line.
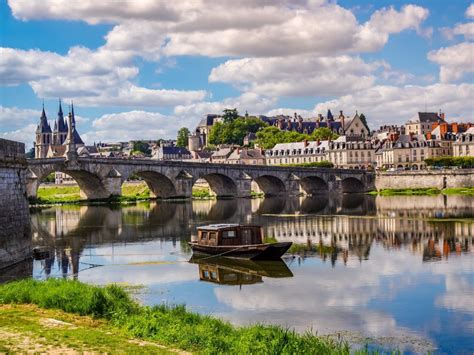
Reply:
x=236, y=241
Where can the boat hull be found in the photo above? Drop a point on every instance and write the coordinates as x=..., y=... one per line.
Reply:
x=267, y=251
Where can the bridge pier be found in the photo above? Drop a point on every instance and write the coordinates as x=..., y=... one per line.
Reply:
x=184, y=187
x=244, y=186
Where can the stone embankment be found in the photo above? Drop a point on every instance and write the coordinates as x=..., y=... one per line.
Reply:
x=439, y=179
x=15, y=234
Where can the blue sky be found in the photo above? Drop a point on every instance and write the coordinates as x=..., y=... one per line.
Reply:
x=142, y=70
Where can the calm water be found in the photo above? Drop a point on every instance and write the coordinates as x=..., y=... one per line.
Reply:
x=388, y=269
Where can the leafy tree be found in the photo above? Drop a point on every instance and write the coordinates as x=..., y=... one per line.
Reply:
x=323, y=133
x=230, y=115
x=143, y=147
x=363, y=118
x=30, y=154
x=234, y=131
x=182, y=139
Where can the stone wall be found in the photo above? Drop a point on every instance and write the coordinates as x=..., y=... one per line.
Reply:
x=439, y=179
x=15, y=236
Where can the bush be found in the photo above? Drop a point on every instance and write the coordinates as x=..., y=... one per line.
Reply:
x=463, y=162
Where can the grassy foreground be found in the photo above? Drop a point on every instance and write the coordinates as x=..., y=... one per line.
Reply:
x=167, y=325
x=424, y=192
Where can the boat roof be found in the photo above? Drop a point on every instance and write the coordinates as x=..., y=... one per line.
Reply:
x=219, y=226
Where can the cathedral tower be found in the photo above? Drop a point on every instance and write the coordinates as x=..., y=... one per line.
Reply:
x=44, y=136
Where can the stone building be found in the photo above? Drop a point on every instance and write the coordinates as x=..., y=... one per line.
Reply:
x=53, y=143
x=342, y=152
x=410, y=151
x=423, y=122
x=464, y=145
x=167, y=152
x=246, y=156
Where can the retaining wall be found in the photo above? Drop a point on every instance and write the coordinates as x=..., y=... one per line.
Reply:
x=15, y=234
x=439, y=179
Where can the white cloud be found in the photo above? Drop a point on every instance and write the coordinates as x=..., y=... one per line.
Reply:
x=461, y=29
x=304, y=75
x=94, y=78
x=454, y=61
x=395, y=105
x=131, y=125
x=251, y=102
x=17, y=117
x=25, y=134
x=231, y=28
x=470, y=11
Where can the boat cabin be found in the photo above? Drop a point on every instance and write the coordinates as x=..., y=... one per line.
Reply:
x=229, y=234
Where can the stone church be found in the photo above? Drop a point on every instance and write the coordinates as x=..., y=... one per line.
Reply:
x=57, y=142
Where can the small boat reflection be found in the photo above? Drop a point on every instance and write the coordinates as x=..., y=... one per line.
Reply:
x=227, y=271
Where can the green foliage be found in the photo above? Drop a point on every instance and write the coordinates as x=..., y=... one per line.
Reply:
x=363, y=118
x=316, y=164
x=268, y=137
x=463, y=162
x=411, y=192
x=459, y=191
x=234, y=131
x=49, y=178
x=170, y=325
x=143, y=147
x=30, y=154
x=230, y=115
x=182, y=139
x=201, y=194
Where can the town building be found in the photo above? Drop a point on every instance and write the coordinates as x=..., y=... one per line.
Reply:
x=342, y=153
x=423, y=122
x=222, y=153
x=171, y=152
x=246, y=156
x=464, y=145
x=410, y=151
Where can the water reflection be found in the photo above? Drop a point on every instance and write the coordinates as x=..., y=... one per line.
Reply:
x=228, y=271
x=379, y=266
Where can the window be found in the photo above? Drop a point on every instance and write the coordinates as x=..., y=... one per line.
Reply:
x=228, y=234
x=212, y=235
x=203, y=235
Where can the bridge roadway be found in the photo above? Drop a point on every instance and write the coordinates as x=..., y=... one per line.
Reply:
x=100, y=178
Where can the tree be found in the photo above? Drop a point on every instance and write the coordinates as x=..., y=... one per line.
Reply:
x=230, y=115
x=323, y=133
x=182, y=139
x=30, y=154
x=143, y=147
x=363, y=119
x=234, y=131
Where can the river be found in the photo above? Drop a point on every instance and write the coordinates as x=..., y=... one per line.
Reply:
x=396, y=272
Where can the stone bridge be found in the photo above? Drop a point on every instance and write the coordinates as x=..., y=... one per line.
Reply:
x=100, y=178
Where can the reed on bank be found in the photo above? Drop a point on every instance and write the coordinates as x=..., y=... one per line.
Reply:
x=169, y=325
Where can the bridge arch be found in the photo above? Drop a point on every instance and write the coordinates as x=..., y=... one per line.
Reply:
x=159, y=184
x=352, y=185
x=91, y=185
x=270, y=185
x=221, y=185
x=314, y=185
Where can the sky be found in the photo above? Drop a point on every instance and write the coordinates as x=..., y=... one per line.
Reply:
x=143, y=69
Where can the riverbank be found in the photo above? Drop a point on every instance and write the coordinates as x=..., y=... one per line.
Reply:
x=111, y=311
x=467, y=191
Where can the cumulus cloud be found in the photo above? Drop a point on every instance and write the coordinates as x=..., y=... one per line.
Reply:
x=454, y=61
x=462, y=29
x=298, y=75
x=17, y=117
x=383, y=104
x=26, y=134
x=99, y=77
x=125, y=126
x=217, y=28
x=470, y=11
x=251, y=102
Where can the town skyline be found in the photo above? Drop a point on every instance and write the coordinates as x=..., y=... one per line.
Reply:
x=131, y=84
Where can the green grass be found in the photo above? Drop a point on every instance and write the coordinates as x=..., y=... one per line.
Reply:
x=30, y=329
x=424, y=192
x=459, y=191
x=201, y=194
x=170, y=325
x=407, y=192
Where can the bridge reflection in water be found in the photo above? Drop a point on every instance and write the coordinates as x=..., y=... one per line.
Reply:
x=342, y=227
